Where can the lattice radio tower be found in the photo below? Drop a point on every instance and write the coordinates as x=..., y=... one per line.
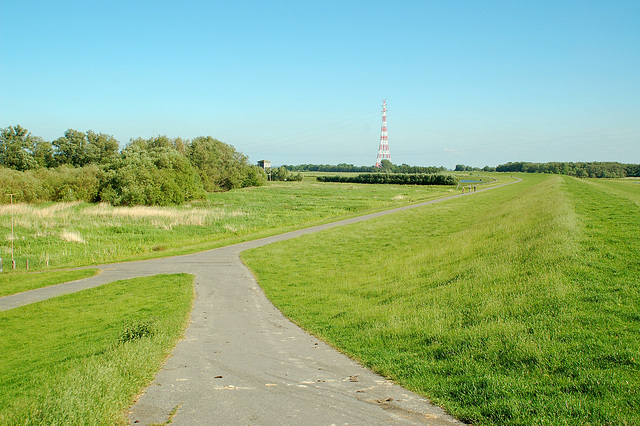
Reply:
x=383, y=150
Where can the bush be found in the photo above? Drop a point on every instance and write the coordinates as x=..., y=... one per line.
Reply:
x=254, y=176
x=60, y=184
x=25, y=187
x=68, y=183
x=219, y=165
x=159, y=176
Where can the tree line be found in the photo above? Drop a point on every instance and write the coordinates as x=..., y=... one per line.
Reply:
x=385, y=167
x=583, y=170
x=393, y=179
x=463, y=168
x=89, y=166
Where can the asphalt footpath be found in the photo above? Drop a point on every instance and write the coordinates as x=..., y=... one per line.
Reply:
x=241, y=362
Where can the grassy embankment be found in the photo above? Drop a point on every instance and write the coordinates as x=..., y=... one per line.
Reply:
x=82, y=358
x=514, y=306
x=72, y=234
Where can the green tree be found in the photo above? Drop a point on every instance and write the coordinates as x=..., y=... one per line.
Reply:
x=79, y=149
x=220, y=166
x=280, y=174
x=43, y=153
x=17, y=148
x=386, y=166
x=101, y=148
x=254, y=176
x=72, y=148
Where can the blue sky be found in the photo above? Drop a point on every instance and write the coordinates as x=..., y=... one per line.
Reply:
x=466, y=82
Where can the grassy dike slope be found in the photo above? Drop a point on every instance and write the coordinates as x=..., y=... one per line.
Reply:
x=83, y=357
x=519, y=305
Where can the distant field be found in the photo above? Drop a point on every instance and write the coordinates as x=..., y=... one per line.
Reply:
x=514, y=306
x=72, y=234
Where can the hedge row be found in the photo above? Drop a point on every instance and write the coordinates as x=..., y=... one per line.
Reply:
x=393, y=179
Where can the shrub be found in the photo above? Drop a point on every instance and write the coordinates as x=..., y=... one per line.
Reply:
x=219, y=165
x=159, y=176
x=254, y=176
x=61, y=184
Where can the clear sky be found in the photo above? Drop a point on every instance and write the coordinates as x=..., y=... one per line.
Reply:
x=466, y=82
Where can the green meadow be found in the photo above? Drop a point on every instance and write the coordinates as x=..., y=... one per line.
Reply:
x=57, y=235
x=515, y=306
x=519, y=305
x=82, y=358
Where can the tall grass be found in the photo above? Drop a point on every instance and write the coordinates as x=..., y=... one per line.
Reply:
x=82, y=358
x=515, y=306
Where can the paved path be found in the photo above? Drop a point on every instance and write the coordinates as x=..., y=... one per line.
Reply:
x=243, y=362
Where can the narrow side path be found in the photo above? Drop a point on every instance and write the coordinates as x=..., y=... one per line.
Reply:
x=243, y=362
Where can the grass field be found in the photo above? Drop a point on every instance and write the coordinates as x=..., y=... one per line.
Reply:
x=72, y=234
x=515, y=306
x=82, y=358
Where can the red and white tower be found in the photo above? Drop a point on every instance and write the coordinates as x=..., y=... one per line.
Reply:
x=383, y=150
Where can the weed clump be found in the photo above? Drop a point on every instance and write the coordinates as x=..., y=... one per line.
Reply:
x=134, y=330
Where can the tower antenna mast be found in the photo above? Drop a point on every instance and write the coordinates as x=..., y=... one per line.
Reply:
x=383, y=150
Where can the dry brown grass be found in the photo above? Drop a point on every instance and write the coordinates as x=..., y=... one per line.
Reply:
x=32, y=210
x=71, y=236
x=164, y=217
x=39, y=218
x=232, y=229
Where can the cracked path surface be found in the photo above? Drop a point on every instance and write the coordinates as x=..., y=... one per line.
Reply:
x=242, y=362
